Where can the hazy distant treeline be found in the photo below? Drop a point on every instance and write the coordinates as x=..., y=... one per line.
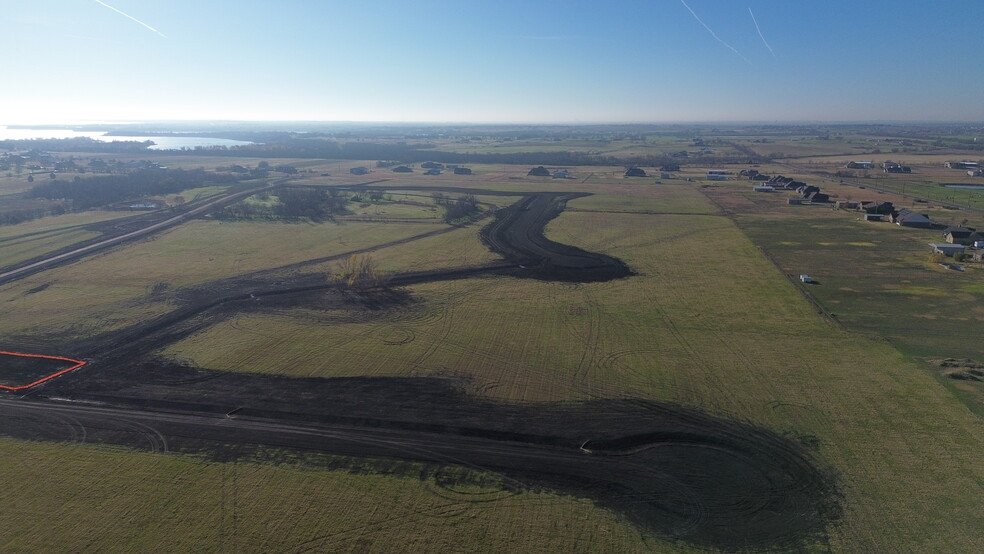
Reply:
x=76, y=144
x=91, y=192
x=415, y=153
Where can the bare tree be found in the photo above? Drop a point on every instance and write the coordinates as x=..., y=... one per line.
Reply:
x=359, y=273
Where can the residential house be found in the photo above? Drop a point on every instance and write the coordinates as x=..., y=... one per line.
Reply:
x=635, y=172
x=877, y=207
x=947, y=249
x=462, y=171
x=909, y=218
x=538, y=171
x=806, y=190
x=961, y=235
x=893, y=167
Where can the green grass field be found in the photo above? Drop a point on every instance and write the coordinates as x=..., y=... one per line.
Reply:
x=719, y=329
x=708, y=322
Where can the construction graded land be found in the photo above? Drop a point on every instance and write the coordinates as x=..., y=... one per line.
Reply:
x=597, y=364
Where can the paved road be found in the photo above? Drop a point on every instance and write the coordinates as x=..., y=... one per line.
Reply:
x=32, y=268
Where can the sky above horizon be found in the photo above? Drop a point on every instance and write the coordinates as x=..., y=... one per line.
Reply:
x=502, y=61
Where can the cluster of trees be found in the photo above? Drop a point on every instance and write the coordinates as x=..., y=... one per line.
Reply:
x=91, y=192
x=463, y=207
x=359, y=273
x=20, y=215
x=314, y=203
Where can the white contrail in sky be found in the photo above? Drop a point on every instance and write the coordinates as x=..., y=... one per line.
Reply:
x=717, y=38
x=130, y=17
x=761, y=36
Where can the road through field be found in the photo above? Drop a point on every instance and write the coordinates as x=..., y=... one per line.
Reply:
x=682, y=474
x=677, y=472
x=31, y=268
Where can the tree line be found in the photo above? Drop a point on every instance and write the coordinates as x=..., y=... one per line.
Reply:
x=316, y=204
x=463, y=207
x=91, y=192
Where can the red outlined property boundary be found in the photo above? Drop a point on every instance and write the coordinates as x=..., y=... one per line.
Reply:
x=78, y=364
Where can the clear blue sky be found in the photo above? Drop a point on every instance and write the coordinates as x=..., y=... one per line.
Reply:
x=492, y=61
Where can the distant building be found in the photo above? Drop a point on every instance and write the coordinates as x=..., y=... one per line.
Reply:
x=402, y=169
x=538, y=171
x=462, y=171
x=909, y=218
x=961, y=235
x=860, y=165
x=892, y=167
x=806, y=190
x=635, y=172
x=794, y=201
x=947, y=249
x=432, y=165
x=874, y=217
x=763, y=188
x=361, y=170
x=433, y=171
x=561, y=174
x=961, y=165
x=877, y=207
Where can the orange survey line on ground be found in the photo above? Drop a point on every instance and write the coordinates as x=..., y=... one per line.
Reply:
x=78, y=364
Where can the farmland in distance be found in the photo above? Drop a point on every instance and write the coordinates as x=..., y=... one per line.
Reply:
x=709, y=321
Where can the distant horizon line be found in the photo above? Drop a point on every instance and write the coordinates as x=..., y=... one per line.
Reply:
x=93, y=123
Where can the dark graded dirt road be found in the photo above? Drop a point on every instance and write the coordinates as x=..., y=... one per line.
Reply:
x=678, y=473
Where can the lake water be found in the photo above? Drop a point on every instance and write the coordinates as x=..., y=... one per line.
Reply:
x=967, y=187
x=175, y=142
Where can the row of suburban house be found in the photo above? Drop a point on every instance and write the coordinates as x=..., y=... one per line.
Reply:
x=888, y=166
x=806, y=192
x=883, y=210
x=541, y=171
x=432, y=169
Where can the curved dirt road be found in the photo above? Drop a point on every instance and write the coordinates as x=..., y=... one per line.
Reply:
x=676, y=472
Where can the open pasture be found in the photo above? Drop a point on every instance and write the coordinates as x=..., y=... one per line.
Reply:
x=706, y=322
x=718, y=328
